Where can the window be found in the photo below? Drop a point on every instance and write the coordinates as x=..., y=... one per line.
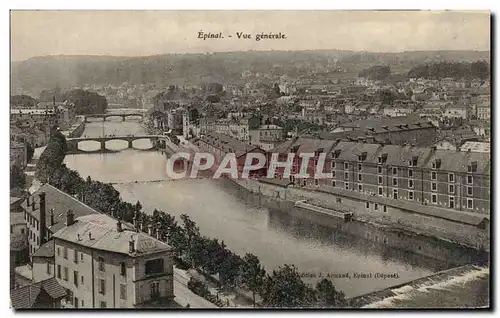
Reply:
x=102, y=286
x=451, y=188
x=360, y=167
x=470, y=204
x=81, y=279
x=59, y=271
x=360, y=177
x=83, y=303
x=123, y=291
x=394, y=170
x=58, y=251
x=379, y=169
x=410, y=173
x=395, y=182
x=380, y=180
x=11, y=229
x=346, y=165
x=48, y=268
x=451, y=202
x=154, y=266
x=434, y=198
x=410, y=183
x=470, y=180
x=395, y=194
x=433, y=175
x=376, y=207
x=65, y=274
x=333, y=174
x=380, y=159
x=346, y=184
x=367, y=205
x=65, y=252
x=469, y=191
x=102, y=267
x=338, y=200
x=76, y=302
x=75, y=257
x=22, y=231
x=451, y=177
x=346, y=175
x=385, y=208
x=75, y=278
x=380, y=191
x=434, y=186
x=333, y=164
x=334, y=183
x=410, y=195
x=155, y=290
x=360, y=187
x=434, y=165
x=102, y=304
x=316, y=182
x=123, y=269
x=69, y=296
x=37, y=226
x=81, y=257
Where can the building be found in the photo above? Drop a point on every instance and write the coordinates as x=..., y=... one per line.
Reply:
x=104, y=263
x=175, y=121
x=451, y=180
x=267, y=136
x=483, y=112
x=220, y=145
x=45, y=294
x=48, y=206
x=18, y=154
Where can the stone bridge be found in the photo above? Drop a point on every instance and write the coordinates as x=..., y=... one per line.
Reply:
x=158, y=141
x=105, y=116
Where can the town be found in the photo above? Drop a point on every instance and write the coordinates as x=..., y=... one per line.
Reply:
x=371, y=166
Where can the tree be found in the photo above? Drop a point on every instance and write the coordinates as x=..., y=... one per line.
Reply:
x=386, y=97
x=252, y=274
x=285, y=288
x=328, y=296
x=138, y=206
x=29, y=152
x=17, y=178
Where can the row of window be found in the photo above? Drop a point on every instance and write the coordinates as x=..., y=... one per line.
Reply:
x=395, y=170
x=101, y=261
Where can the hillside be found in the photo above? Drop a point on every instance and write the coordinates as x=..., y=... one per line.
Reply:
x=36, y=74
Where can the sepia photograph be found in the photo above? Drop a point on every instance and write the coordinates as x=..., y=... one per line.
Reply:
x=180, y=160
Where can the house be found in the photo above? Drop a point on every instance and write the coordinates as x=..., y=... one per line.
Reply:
x=267, y=136
x=44, y=294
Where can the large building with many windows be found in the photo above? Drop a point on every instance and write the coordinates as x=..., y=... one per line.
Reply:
x=446, y=179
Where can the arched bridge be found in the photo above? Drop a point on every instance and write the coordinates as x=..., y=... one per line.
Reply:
x=158, y=141
x=105, y=116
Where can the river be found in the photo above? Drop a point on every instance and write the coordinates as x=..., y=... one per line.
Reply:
x=274, y=237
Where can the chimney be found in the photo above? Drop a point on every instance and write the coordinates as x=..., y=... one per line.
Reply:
x=131, y=245
x=135, y=220
x=119, y=226
x=43, y=225
x=70, y=218
x=158, y=225
x=51, y=215
x=90, y=235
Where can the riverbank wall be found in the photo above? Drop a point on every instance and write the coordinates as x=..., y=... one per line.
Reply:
x=393, y=228
x=76, y=130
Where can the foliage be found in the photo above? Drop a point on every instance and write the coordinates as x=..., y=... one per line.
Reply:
x=30, y=151
x=377, y=72
x=23, y=100
x=252, y=274
x=455, y=70
x=285, y=288
x=328, y=296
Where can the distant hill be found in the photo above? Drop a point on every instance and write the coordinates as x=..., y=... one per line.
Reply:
x=41, y=73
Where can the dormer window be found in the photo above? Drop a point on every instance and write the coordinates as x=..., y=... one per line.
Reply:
x=472, y=167
x=336, y=153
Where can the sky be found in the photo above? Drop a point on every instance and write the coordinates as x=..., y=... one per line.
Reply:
x=142, y=33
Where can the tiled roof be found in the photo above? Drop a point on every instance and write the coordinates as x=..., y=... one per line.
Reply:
x=228, y=144
x=26, y=296
x=99, y=231
x=59, y=201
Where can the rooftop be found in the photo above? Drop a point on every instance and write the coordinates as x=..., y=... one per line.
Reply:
x=26, y=297
x=99, y=231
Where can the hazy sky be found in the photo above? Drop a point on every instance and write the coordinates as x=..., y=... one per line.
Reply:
x=134, y=33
